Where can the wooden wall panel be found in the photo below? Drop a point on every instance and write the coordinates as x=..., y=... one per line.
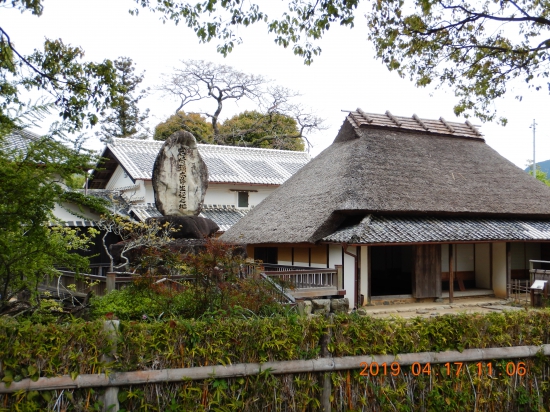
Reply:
x=250, y=251
x=319, y=255
x=426, y=271
x=301, y=256
x=285, y=256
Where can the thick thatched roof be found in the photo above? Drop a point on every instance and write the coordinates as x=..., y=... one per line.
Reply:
x=385, y=164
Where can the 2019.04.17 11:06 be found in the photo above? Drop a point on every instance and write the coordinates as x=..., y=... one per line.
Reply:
x=446, y=369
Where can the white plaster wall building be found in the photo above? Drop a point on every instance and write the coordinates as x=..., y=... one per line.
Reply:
x=239, y=178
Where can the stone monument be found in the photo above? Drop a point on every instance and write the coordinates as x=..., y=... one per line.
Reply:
x=180, y=176
x=180, y=180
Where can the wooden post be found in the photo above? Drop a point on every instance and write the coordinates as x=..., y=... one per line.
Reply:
x=451, y=273
x=110, y=397
x=340, y=277
x=111, y=281
x=327, y=383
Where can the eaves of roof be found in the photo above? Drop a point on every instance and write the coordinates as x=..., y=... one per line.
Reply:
x=379, y=229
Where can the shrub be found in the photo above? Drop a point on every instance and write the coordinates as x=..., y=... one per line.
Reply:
x=214, y=286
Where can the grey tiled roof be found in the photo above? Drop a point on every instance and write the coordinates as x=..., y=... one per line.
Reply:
x=145, y=211
x=223, y=215
x=225, y=163
x=20, y=139
x=391, y=229
x=74, y=223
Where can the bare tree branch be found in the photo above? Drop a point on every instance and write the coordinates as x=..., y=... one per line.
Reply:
x=202, y=81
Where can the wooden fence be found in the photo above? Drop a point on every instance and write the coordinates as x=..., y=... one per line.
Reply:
x=323, y=366
x=62, y=286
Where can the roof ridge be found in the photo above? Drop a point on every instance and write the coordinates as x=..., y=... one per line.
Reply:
x=243, y=148
x=393, y=118
x=471, y=126
x=360, y=119
x=118, y=140
x=365, y=115
x=447, y=125
x=420, y=122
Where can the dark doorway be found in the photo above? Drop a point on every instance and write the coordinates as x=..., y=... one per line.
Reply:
x=266, y=254
x=391, y=270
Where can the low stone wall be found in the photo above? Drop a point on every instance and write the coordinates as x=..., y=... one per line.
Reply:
x=323, y=306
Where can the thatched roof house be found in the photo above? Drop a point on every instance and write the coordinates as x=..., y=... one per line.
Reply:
x=391, y=180
x=394, y=165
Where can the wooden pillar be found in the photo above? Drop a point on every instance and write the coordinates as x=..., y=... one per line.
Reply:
x=451, y=273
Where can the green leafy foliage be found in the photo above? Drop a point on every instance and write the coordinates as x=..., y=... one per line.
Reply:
x=124, y=118
x=249, y=128
x=477, y=48
x=78, y=90
x=31, y=242
x=212, y=286
x=270, y=130
x=189, y=122
x=32, y=351
x=540, y=175
x=302, y=23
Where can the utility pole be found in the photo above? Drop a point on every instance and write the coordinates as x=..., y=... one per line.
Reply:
x=534, y=126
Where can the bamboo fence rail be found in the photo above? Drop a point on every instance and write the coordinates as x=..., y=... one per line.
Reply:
x=116, y=379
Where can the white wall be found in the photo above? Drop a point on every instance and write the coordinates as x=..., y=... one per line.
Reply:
x=217, y=194
x=334, y=255
x=349, y=275
x=221, y=194
x=118, y=179
x=499, y=269
x=65, y=215
x=483, y=265
x=464, y=259
x=149, y=192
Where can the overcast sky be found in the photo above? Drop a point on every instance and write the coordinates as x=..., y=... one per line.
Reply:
x=346, y=75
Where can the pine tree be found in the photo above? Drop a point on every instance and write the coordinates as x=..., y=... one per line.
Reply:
x=125, y=118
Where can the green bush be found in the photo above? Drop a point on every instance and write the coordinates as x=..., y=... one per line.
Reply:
x=214, y=286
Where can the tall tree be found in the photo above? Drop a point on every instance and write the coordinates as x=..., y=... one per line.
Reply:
x=198, y=81
x=272, y=130
x=31, y=242
x=125, y=118
x=475, y=47
x=190, y=122
x=32, y=177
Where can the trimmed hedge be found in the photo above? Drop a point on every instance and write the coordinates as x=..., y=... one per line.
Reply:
x=33, y=350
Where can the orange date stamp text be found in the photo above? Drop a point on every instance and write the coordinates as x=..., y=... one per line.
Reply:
x=449, y=369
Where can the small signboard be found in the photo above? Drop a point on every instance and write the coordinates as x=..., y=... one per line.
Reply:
x=539, y=285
